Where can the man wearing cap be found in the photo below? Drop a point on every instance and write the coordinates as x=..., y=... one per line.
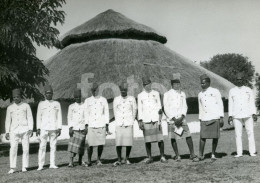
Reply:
x=211, y=113
x=77, y=128
x=149, y=109
x=125, y=109
x=175, y=108
x=49, y=123
x=242, y=110
x=97, y=120
x=18, y=125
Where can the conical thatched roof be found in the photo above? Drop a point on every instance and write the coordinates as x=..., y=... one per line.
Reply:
x=109, y=24
x=112, y=59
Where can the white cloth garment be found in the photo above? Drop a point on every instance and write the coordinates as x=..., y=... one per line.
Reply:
x=49, y=120
x=124, y=110
x=18, y=118
x=42, y=149
x=249, y=125
x=149, y=105
x=18, y=122
x=241, y=102
x=14, y=141
x=175, y=104
x=210, y=104
x=241, y=108
x=49, y=115
x=96, y=112
x=76, y=116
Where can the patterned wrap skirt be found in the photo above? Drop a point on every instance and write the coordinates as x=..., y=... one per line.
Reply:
x=173, y=135
x=77, y=143
x=124, y=136
x=96, y=136
x=152, y=133
x=210, y=129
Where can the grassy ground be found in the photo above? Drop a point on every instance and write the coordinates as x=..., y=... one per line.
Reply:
x=226, y=169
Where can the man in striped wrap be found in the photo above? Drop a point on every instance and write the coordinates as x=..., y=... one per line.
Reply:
x=77, y=128
x=149, y=110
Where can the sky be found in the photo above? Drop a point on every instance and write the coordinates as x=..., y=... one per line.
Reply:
x=196, y=29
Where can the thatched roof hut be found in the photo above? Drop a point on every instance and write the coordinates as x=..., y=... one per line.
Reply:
x=112, y=47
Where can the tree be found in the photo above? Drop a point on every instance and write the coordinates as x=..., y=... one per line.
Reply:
x=24, y=23
x=229, y=64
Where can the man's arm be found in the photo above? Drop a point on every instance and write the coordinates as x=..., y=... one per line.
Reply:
x=39, y=119
x=200, y=107
x=230, y=107
x=221, y=109
x=29, y=119
x=7, y=123
x=106, y=114
x=134, y=108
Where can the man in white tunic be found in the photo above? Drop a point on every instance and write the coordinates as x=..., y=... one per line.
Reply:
x=18, y=126
x=149, y=109
x=77, y=129
x=49, y=123
x=97, y=120
x=242, y=110
x=211, y=113
x=125, y=109
x=175, y=108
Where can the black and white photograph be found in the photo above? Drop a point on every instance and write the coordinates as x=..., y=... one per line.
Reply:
x=129, y=91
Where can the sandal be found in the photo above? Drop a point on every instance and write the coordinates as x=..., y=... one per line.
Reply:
x=88, y=164
x=148, y=160
x=213, y=157
x=163, y=160
x=117, y=163
x=99, y=163
x=194, y=158
x=177, y=158
x=201, y=158
x=128, y=162
x=71, y=165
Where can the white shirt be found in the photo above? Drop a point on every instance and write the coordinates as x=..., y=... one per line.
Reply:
x=96, y=112
x=175, y=104
x=149, y=105
x=124, y=110
x=18, y=118
x=241, y=102
x=49, y=115
x=210, y=104
x=76, y=116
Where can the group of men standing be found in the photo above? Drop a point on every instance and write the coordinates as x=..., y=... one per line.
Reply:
x=91, y=118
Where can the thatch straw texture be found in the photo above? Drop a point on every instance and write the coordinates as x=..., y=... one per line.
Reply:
x=109, y=24
x=113, y=59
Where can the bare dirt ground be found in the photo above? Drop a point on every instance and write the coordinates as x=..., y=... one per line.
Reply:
x=225, y=169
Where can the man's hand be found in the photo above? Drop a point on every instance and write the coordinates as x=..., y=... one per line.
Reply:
x=178, y=122
x=141, y=125
x=58, y=132
x=107, y=128
x=230, y=120
x=38, y=132
x=71, y=132
x=30, y=133
x=160, y=111
x=221, y=122
x=86, y=131
x=7, y=136
x=254, y=117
